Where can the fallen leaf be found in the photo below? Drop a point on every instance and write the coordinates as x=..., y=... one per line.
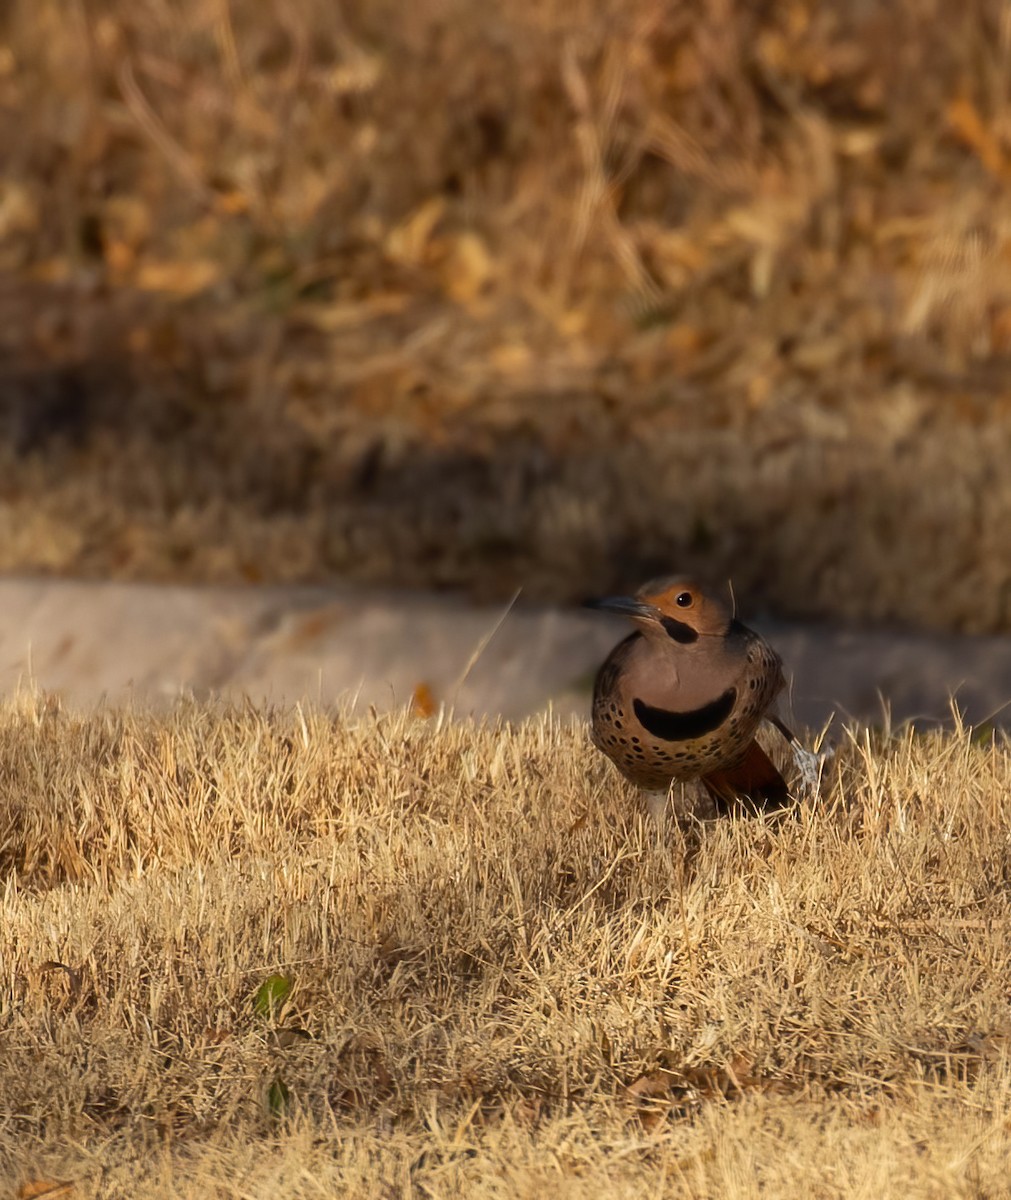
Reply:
x=232, y=203
x=663, y=1092
x=968, y=125
x=359, y=74
x=45, y=1189
x=510, y=357
x=657, y=1095
x=177, y=278
x=120, y=256
x=408, y=242
x=654, y=1085
x=217, y=1037
x=728, y=1081
x=423, y=702
x=685, y=341
x=19, y=211
x=330, y=318
x=467, y=269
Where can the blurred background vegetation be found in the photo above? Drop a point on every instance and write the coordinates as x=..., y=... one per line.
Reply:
x=553, y=294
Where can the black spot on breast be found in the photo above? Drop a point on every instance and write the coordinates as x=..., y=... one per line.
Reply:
x=679, y=631
x=683, y=726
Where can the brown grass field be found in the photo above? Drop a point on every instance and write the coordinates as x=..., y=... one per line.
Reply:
x=547, y=294
x=260, y=954
x=552, y=294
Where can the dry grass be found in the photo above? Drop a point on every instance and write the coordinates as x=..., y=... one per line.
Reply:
x=546, y=294
x=511, y=982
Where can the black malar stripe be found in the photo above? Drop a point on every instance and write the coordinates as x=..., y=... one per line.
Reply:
x=682, y=726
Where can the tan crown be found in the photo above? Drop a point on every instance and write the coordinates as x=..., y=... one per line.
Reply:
x=704, y=612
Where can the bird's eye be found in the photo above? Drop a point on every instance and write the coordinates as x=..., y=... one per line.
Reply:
x=683, y=599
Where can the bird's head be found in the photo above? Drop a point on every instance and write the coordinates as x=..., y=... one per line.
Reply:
x=674, y=608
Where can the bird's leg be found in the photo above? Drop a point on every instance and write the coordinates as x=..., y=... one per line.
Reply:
x=656, y=804
x=807, y=762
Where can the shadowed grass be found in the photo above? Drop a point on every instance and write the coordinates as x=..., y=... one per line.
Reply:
x=487, y=944
x=552, y=294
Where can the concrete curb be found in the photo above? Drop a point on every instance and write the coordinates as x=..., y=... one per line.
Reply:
x=147, y=644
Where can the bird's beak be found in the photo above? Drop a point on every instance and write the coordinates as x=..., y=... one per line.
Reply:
x=626, y=606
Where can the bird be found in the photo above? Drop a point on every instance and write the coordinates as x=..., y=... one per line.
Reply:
x=682, y=697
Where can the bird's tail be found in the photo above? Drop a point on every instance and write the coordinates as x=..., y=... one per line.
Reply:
x=753, y=782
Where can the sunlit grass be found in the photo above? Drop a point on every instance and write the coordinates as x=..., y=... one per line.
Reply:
x=245, y=951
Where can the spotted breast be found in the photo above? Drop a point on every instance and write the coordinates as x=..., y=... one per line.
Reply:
x=682, y=697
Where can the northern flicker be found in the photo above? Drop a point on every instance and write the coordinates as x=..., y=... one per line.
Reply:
x=682, y=697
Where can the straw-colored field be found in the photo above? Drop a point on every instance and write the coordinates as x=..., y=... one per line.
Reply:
x=505, y=980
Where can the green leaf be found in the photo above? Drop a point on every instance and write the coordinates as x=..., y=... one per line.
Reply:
x=270, y=995
x=279, y=1098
